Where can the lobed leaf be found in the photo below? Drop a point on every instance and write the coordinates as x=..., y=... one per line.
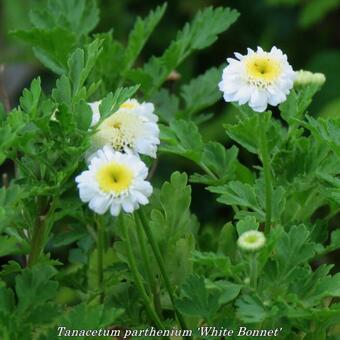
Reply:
x=140, y=34
x=201, y=92
x=52, y=47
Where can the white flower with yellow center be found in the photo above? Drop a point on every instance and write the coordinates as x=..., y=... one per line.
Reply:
x=132, y=128
x=251, y=240
x=114, y=181
x=258, y=78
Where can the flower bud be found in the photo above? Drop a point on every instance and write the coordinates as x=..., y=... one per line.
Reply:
x=251, y=240
x=304, y=78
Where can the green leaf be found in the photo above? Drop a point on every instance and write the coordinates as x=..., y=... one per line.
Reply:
x=76, y=64
x=78, y=16
x=246, y=132
x=228, y=291
x=111, y=102
x=250, y=309
x=30, y=98
x=326, y=130
x=246, y=224
x=327, y=287
x=251, y=197
x=201, y=92
x=52, y=47
x=305, y=95
x=11, y=245
x=300, y=165
x=7, y=301
x=335, y=242
x=278, y=199
x=173, y=215
x=201, y=33
x=219, y=264
x=293, y=248
x=298, y=102
x=83, y=317
x=238, y=193
x=221, y=162
x=83, y=115
x=167, y=105
x=62, y=93
x=34, y=287
x=110, y=265
x=81, y=62
x=174, y=226
x=140, y=34
x=207, y=24
x=330, y=185
x=12, y=267
x=10, y=199
x=227, y=240
x=182, y=138
x=110, y=62
x=197, y=300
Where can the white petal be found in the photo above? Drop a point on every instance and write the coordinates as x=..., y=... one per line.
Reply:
x=142, y=199
x=100, y=204
x=127, y=206
x=95, y=112
x=115, y=209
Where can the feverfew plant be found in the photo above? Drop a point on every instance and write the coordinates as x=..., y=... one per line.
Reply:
x=95, y=238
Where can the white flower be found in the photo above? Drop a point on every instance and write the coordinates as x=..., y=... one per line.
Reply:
x=258, y=78
x=306, y=77
x=251, y=240
x=114, y=181
x=95, y=112
x=132, y=128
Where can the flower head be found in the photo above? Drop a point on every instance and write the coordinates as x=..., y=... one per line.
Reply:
x=258, y=78
x=132, y=128
x=114, y=181
x=306, y=77
x=251, y=240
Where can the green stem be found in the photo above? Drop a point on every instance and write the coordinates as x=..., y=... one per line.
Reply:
x=149, y=273
x=161, y=265
x=267, y=178
x=37, y=244
x=40, y=231
x=253, y=270
x=138, y=280
x=100, y=254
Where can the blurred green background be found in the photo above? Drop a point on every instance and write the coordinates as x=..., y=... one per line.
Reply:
x=308, y=31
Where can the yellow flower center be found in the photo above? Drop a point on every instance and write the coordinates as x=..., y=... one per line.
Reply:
x=116, y=124
x=129, y=105
x=251, y=239
x=120, y=130
x=114, y=178
x=263, y=69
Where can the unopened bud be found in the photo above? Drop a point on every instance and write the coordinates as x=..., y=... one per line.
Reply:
x=304, y=78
